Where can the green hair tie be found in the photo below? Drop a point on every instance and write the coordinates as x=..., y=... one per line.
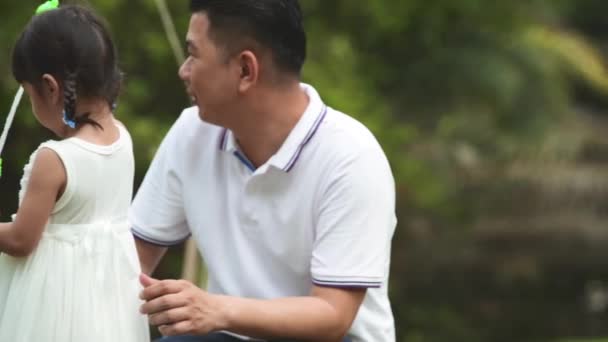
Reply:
x=47, y=6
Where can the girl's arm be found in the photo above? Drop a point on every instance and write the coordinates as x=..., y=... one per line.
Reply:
x=46, y=184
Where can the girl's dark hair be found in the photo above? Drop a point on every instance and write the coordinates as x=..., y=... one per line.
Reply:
x=73, y=45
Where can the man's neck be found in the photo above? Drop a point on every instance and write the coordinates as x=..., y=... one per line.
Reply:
x=264, y=130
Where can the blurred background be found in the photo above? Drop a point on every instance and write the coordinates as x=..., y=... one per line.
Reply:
x=493, y=114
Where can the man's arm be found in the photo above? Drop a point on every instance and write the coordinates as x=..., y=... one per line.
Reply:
x=157, y=215
x=149, y=255
x=326, y=315
x=178, y=307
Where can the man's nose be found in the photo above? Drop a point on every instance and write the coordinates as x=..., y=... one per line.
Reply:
x=184, y=71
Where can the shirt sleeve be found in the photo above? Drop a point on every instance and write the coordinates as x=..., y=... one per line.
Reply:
x=356, y=223
x=157, y=213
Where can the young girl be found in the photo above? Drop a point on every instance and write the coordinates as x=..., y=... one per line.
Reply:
x=68, y=269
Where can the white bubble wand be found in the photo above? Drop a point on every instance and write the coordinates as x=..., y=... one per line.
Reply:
x=49, y=5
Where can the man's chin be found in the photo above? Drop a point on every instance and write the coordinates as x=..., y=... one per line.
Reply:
x=204, y=116
x=201, y=113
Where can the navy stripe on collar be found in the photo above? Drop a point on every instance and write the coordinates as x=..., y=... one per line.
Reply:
x=309, y=136
x=223, y=141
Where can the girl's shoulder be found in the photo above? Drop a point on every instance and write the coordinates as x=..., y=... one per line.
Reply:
x=58, y=146
x=120, y=125
x=54, y=145
x=122, y=143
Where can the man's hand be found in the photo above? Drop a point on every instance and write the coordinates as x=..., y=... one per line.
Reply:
x=178, y=307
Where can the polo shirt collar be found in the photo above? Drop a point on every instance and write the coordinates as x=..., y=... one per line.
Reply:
x=306, y=128
x=227, y=142
x=289, y=153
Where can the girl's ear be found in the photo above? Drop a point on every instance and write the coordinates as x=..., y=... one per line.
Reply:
x=51, y=88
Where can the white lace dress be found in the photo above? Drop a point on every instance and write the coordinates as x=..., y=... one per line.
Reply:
x=81, y=282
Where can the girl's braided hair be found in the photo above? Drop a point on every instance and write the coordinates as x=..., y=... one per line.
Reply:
x=73, y=45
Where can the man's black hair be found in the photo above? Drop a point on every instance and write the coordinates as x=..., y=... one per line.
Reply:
x=275, y=25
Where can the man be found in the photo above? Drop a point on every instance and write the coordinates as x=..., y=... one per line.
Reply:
x=290, y=202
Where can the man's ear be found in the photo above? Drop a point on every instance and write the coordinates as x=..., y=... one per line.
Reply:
x=249, y=70
x=51, y=88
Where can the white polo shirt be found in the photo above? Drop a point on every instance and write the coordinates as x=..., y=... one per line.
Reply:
x=320, y=211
